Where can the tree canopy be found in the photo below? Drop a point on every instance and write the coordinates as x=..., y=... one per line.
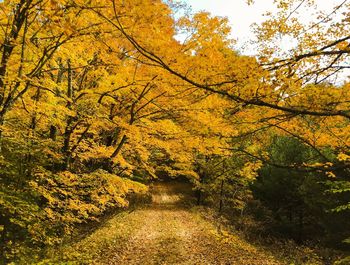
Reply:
x=99, y=97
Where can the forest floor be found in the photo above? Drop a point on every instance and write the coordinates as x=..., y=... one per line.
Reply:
x=168, y=231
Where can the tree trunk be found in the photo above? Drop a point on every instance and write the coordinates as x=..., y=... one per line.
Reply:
x=221, y=196
x=68, y=129
x=1, y=124
x=119, y=147
x=301, y=226
x=199, y=196
x=20, y=14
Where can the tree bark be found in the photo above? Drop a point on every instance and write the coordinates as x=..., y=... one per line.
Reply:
x=68, y=129
x=20, y=14
x=221, y=203
x=119, y=147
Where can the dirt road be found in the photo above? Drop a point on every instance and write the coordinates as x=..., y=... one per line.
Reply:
x=168, y=232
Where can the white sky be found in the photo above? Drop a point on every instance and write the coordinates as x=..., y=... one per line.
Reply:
x=241, y=16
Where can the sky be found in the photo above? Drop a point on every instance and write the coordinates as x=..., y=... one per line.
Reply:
x=241, y=16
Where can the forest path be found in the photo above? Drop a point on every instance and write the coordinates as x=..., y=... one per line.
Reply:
x=169, y=232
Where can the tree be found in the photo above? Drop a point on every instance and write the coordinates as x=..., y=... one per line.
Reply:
x=94, y=94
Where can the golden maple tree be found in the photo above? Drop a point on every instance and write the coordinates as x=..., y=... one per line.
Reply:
x=96, y=94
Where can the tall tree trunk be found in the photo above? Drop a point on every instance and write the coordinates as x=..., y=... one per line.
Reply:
x=53, y=132
x=20, y=19
x=1, y=124
x=199, y=192
x=199, y=196
x=20, y=14
x=221, y=203
x=61, y=70
x=301, y=225
x=68, y=130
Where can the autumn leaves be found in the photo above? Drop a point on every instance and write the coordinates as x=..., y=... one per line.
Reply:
x=105, y=85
